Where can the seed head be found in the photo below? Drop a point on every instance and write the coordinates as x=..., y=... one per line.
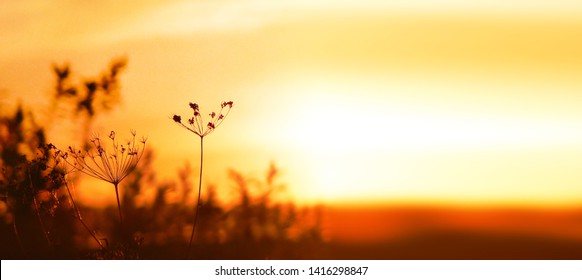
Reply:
x=110, y=163
x=196, y=124
x=224, y=104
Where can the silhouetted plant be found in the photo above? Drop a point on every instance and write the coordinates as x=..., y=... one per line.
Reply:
x=58, y=175
x=196, y=126
x=111, y=164
x=23, y=161
x=85, y=99
x=30, y=189
x=256, y=217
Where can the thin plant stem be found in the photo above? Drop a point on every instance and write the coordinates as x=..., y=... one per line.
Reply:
x=37, y=211
x=195, y=125
x=118, y=203
x=199, y=191
x=78, y=212
x=15, y=229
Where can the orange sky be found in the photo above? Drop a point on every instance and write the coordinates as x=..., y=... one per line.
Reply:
x=438, y=101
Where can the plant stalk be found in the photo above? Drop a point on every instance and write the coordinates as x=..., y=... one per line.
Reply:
x=37, y=211
x=44, y=231
x=118, y=203
x=199, y=191
x=78, y=212
x=15, y=229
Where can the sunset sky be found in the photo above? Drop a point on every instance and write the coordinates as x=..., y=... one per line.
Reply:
x=356, y=101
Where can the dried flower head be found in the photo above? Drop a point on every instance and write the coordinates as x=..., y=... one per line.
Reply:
x=108, y=163
x=196, y=123
x=57, y=175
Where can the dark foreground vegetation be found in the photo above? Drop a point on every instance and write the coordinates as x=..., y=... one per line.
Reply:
x=42, y=219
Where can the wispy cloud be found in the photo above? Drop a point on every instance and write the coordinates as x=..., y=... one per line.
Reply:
x=33, y=25
x=176, y=18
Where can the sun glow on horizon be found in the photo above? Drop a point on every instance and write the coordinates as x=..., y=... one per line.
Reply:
x=357, y=149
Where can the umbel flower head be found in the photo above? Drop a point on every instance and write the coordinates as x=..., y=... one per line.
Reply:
x=110, y=163
x=196, y=123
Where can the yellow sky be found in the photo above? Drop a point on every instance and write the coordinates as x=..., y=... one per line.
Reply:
x=407, y=100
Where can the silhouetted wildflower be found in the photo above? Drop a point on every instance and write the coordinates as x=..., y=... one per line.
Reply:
x=195, y=124
x=110, y=164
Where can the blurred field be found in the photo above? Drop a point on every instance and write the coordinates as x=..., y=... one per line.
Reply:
x=431, y=232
